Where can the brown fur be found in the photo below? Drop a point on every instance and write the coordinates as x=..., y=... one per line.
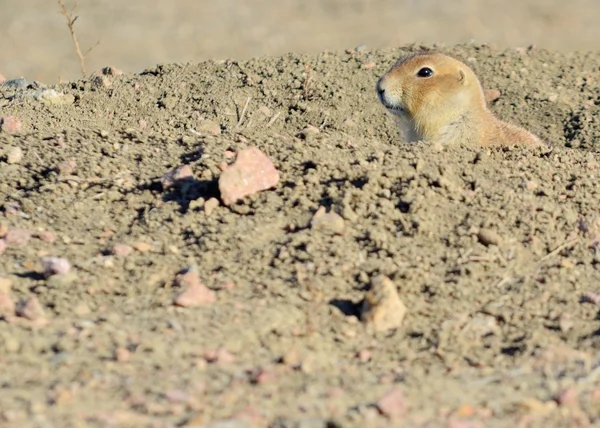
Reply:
x=448, y=107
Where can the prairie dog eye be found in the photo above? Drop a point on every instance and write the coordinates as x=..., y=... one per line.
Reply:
x=425, y=72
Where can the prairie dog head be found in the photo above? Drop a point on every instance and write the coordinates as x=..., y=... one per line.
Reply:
x=430, y=91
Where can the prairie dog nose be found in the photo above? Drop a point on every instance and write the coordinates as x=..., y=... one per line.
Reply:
x=380, y=87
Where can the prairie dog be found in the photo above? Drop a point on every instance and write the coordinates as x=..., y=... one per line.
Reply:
x=438, y=99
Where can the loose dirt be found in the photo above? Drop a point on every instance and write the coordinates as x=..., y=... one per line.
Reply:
x=495, y=253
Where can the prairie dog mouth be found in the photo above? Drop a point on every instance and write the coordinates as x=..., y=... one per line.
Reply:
x=394, y=109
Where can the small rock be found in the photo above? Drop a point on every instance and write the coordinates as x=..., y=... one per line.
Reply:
x=593, y=297
x=2, y=246
x=251, y=172
x=122, y=355
x=10, y=124
x=328, y=221
x=221, y=357
x=308, y=131
x=195, y=295
x=531, y=185
x=177, y=176
x=349, y=123
x=31, y=309
x=393, y=404
x=3, y=230
x=2, y=79
x=67, y=167
x=142, y=247
x=568, y=398
x=50, y=96
x=382, y=308
x=190, y=276
x=210, y=206
x=364, y=356
x=55, y=266
x=19, y=83
x=265, y=110
x=209, y=127
x=47, y=236
x=121, y=250
x=491, y=95
x=14, y=156
x=17, y=237
x=488, y=237
x=262, y=376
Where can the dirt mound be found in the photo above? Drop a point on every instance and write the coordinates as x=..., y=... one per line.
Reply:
x=493, y=252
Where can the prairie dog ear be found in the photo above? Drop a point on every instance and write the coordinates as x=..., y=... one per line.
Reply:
x=462, y=77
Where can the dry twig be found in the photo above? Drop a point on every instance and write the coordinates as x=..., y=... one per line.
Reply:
x=71, y=18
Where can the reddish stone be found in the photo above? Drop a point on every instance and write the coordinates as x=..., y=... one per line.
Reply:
x=120, y=249
x=17, y=237
x=393, y=403
x=195, y=295
x=11, y=124
x=251, y=172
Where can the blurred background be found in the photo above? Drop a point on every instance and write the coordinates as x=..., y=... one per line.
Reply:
x=133, y=34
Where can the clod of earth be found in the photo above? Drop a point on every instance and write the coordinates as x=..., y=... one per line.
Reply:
x=330, y=222
x=382, y=307
x=14, y=156
x=251, y=172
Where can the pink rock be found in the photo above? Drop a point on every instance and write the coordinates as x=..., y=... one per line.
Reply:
x=393, y=403
x=122, y=250
x=2, y=246
x=188, y=278
x=17, y=237
x=31, y=309
x=10, y=124
x=568, y=398
x=67, y=167
x=263, y=375
x=491, y=95
x=593, y=297
x=220, y=356
x=364, y=356
x=176, y=176
x=2, y=78
x=55, y=266
x=122, y=355
x=195, y=295
x=251, y=172
x=47, y=236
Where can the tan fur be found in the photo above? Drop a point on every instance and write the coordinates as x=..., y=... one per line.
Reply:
x=448, y=107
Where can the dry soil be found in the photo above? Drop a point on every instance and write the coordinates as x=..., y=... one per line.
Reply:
x=495, y=335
